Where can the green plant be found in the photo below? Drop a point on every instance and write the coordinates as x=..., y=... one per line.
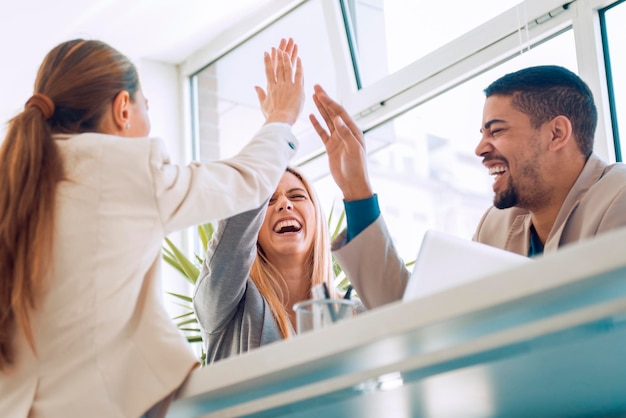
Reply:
x=189, y=270
x=341, y=281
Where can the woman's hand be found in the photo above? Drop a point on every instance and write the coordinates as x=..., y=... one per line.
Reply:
x=345, y=147
x=284, y=98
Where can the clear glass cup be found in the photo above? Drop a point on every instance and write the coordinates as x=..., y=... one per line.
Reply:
x=315, y=314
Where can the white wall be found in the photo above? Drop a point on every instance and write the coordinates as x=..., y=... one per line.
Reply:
x=162, y=87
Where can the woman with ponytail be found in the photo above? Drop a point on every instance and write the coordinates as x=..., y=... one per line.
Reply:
x=86, y=197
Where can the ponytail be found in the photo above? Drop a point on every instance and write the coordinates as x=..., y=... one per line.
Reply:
x=30, y=170
x=75, y=84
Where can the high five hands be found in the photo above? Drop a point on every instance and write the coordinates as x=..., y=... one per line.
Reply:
x=283, y=102
x=345, y=147
x=284, y=99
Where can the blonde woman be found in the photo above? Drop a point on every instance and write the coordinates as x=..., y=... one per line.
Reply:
x=258, y=265
x=86, y=197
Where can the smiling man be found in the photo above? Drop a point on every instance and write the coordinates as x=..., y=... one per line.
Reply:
x=537, y=141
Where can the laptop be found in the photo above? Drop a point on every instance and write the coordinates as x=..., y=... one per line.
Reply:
x=446, y=261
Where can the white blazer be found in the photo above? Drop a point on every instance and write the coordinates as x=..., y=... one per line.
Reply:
x=105, y=346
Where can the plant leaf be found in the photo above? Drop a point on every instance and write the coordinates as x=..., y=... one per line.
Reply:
x=189, y=321
x=183, y=315
x=183, y=297
x=330, y=215
x=190, y=271
x=171, y=260
x=205, y=231
x=339, y=224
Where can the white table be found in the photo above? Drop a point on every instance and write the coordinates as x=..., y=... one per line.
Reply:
x=545, y=339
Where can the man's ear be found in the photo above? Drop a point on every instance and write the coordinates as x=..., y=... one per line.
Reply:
x=561, y=131
x=121, y=113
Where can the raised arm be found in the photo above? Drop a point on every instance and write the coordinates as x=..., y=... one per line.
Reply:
x=222, y=281
x=370, y=260
x=345, y=147
x=284, y=98
x=201, y=193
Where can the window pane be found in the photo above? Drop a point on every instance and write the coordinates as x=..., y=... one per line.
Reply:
x=390, y=34
x=429, y=177
x=614, y=18
x=228, y=112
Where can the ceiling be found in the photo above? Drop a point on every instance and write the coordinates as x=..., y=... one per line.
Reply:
x=162, y=30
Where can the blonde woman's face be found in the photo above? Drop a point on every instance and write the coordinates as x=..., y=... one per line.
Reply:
x=289, y=225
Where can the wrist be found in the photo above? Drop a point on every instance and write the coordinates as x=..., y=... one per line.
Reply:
x=360, y=193
x=283, y=117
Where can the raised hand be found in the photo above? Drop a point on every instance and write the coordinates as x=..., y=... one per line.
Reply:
x=345, y=147
x=284, y=98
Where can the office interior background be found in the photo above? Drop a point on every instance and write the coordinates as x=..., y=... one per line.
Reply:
x=411, y=73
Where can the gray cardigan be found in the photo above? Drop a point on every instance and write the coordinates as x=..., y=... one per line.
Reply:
x=233, y=316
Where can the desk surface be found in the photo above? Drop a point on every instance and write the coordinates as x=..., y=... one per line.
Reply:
x=545, y=339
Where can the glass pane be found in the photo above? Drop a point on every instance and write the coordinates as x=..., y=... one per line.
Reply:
x=390, y=34
x=227, y=106
x=429, y=177
x=616, y=39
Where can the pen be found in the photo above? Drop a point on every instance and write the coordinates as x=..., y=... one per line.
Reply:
x=348, y=292
x=345, y=297
x=331, y=308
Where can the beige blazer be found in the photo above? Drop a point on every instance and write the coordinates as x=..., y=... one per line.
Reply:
x=596, y=204
x=105, y=345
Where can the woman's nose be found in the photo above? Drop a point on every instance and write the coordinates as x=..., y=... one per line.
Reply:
x=284, y=204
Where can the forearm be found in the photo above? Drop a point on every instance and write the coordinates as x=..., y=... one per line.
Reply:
x=372, y=265
x=203, y=192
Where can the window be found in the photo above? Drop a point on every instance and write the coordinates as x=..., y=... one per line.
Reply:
x=420, y=100
x=614, y=38
x=389, y=34
x=226, y=105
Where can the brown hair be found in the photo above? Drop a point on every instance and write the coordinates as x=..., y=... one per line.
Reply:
x=76, y=83
x=270, y=282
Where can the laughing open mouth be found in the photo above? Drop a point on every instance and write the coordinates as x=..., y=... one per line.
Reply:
x=497, y=170
x=287, y=225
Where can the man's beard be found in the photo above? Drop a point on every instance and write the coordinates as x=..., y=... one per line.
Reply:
x=506, y=199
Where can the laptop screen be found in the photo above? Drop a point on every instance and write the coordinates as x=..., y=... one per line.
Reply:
x=445, y=261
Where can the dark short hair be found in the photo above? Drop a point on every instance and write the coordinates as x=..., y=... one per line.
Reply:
x=547, y=91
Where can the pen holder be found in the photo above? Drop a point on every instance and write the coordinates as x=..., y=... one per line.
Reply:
x=315, y=314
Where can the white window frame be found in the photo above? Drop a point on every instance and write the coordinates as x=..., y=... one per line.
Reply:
x=476, y=51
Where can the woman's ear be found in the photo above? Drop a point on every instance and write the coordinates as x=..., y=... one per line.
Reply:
x=561, y=130
x=121, y=113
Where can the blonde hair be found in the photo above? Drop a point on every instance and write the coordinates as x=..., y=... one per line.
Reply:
x=271, y=283
x=75, y=84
